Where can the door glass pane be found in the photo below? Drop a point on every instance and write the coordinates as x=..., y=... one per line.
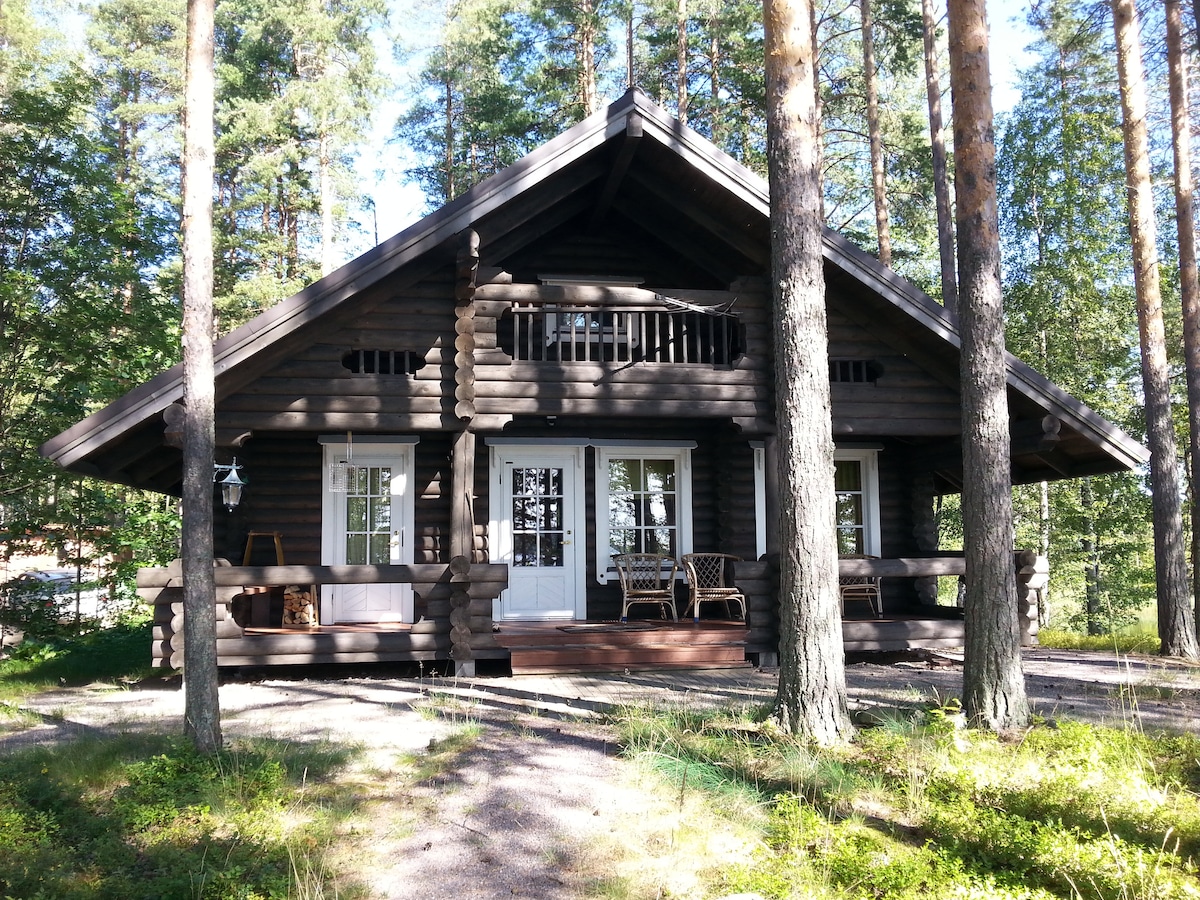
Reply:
x=369, y=517
x=356, y=549
x=538, y=510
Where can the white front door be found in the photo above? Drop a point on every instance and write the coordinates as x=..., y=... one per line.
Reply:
x=536, y=528
x=370, y=523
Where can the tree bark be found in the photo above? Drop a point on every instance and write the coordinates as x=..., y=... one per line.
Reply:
x=941, y=178
x=993, y=683
x=875, y=136
x=202, y=713
x=1176, y=617
x=1189, y=285
x=586, y=60
x=811, y=699
x=681, y=65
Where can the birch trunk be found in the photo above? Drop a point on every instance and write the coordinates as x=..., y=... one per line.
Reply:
x=993, y=683
x=1176, y=617
x=812, y=678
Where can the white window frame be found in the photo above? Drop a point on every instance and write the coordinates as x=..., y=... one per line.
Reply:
x=681, y=454
x=868, y=460
x=868, y=457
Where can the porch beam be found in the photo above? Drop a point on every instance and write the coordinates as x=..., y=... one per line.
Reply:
x=629, y=145
x=903, y=567
x=232, y=576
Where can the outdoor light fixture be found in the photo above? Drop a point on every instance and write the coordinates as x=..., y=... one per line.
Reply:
x=231, y=484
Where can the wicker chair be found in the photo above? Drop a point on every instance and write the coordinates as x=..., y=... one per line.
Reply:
x=706, y=583
x=861, y=587
x=647, y=578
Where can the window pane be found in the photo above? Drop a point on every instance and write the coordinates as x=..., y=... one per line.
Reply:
x=356, y=514
x=659, y=511
x=356, y=549
x=660, y=540
x=660, y=475
x=622, y=540
x=849, y=540
x=624, y=474
x=849, y=509
x=381, y=513
x=380, y=555
x=525, y=550
x=847, y=475
x=552, y=550
x=622, y=511
x=554, y=482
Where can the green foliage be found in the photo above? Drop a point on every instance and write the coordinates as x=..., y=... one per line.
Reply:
x=145, y=817
x=1123, y=642
x=923, y=808
x=121, y=653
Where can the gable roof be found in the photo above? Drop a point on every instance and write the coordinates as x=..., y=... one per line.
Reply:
x=711, y=211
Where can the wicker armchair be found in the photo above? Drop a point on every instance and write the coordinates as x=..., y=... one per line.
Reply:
x=861, y=587
x=707, y=584
x=647, y=578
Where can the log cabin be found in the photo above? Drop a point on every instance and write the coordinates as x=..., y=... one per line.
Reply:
x=451, y=437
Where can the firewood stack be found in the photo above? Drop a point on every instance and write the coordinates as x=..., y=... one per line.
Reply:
x=298, y=606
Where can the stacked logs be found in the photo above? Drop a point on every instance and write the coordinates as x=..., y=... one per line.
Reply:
x=299, y=606
x=464, y=326
x=460, y=612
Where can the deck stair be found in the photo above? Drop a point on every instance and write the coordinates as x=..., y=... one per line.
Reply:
x=547, y=648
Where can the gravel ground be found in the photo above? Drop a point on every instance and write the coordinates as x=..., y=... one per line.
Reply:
x=540, y=798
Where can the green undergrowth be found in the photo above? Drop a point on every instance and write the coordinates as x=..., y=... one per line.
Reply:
x=923, y=809
x=139, y=816
x=117, y=654
x=1140, y=641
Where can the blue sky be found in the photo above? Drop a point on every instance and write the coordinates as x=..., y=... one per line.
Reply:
x=399, y=203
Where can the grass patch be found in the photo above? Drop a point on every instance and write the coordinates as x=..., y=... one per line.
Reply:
x=1133, y=641
x=139, y=816
x=922, y=809
x=120, y=653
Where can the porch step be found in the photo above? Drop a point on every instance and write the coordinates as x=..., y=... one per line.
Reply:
x=606, y=647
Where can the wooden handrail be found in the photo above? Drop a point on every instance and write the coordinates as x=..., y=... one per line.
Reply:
x=232, y=576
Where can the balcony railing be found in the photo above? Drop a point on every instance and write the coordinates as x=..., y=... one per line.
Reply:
x=541, y=333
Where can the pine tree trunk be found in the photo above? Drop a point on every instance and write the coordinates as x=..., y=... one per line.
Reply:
x=681, y=66
x=993, y=683
x=875, y=136
x=1189, y=285
x=586, y=61
x=202, y=713
x=325, y=182
x=812, y=680
x=941, y=178
x=1176, y=617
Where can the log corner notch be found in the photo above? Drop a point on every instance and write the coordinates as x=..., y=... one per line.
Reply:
x=1033, y=577
x=466, y=272
x=460, y=617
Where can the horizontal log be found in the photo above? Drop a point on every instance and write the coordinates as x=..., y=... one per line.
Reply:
x=668, y=386
x=903, y=567
x=440, y=608
x=316, y=659
x=285, y=575
x=597, y=295
x=680, y=407
x=618, y=373
x=328, y=642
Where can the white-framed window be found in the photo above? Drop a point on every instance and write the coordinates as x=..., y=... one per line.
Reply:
x=856, y=483
x=643, y=502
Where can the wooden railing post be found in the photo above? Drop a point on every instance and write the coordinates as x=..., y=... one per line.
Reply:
x=1033, y=576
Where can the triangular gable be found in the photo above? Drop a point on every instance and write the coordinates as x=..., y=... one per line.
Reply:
x=632, y=115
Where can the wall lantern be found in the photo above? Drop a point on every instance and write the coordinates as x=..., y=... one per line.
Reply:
x=231, y=484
